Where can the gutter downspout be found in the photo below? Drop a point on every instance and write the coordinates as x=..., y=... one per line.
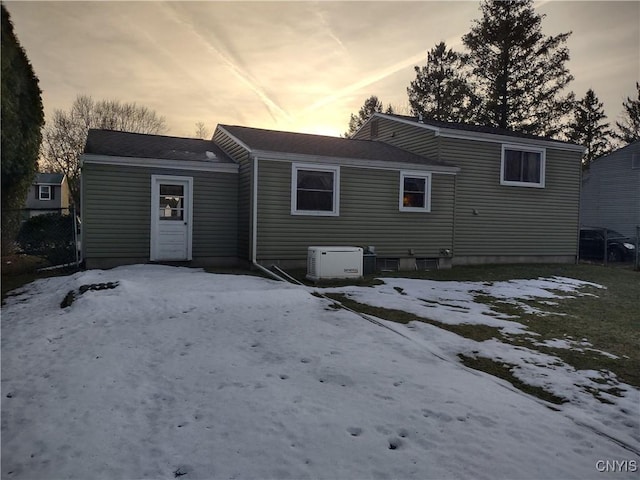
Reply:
x=254, y=224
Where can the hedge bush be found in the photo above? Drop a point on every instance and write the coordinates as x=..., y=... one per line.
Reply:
x=49, y=236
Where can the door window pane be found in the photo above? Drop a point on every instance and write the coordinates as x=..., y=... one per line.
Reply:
x=171, y=202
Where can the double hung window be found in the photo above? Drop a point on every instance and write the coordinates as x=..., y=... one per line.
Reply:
x=44, y=192
x=522, y=166
x=415, y=192
x=315, y=190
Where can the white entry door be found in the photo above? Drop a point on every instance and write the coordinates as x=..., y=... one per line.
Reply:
x=171, y=217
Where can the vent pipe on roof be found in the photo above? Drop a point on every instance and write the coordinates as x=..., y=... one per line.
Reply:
x=210, y=155
x=420, y=118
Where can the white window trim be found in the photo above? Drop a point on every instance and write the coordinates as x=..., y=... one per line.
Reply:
x=427, y=193
x=40, y=190
x=155, y=192
x=524, y=148
x=335, y=169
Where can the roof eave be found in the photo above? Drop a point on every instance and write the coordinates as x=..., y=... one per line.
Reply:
x=352, y=162
x=486, y=137
x=224, y=167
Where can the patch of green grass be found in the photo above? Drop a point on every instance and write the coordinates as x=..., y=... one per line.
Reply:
x=607, y=318
x=474, y=332
x=505, y=371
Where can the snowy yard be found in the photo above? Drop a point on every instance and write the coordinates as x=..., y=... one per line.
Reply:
x=177, y=373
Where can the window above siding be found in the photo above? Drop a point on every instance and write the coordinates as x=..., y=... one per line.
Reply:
x=415, y=192
x=44, y=192
x=522, y=166
x=315, y=190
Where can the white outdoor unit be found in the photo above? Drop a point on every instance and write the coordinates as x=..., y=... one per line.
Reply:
x=334, y=262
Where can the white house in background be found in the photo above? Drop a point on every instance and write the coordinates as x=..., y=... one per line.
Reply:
x=610, y=196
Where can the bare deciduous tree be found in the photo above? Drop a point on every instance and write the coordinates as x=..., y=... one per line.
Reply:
x=202, y=131
x=65, y=134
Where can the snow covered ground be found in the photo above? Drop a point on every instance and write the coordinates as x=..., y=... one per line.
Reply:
x=176, y=373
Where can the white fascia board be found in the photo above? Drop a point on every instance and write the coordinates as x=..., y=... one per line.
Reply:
x=503, y=139
x=408, y=122
x=353, y=162
x=159, y=163
x=486, y=137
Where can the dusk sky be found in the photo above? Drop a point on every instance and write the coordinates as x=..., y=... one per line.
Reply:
x=296, y=66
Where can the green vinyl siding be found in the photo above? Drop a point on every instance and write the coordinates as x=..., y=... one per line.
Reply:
x=512, y=220
x=369, y=215
x=241, y=156
x=117, y=211
x=415, y=139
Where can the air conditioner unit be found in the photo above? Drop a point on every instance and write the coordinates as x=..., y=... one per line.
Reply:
x=334, y=262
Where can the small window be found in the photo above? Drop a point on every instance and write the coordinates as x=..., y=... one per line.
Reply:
x=522, y=166
x=415, y=192
x=44, y=192
x=315, y=190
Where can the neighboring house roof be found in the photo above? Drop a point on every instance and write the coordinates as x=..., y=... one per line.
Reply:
x=259, y=140
x=49, y=179
x=474, y=129
x=629, y=148
x=140, y=145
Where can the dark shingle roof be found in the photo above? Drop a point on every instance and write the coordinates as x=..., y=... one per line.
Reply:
x=139, y=145
x=475, y=128
x=52, y=178
x=324, y=146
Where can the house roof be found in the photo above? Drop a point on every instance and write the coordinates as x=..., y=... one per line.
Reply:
x=262, y=140
x=140, y=145
x=49, y=178
x=465, y=127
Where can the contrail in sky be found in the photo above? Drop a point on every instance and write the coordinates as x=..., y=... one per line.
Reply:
x=273, y=108
x=418, y=58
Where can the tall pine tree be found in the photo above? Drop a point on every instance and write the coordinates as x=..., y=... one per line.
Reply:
x=590, y=129
x=371, y=105
x=629, y=127
x=440, y=90
x=22, y=120
x=520, y=73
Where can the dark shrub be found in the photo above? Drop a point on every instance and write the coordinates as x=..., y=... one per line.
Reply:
x=49, y=236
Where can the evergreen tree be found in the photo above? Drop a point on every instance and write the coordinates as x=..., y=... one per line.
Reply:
x=371, y=105
x=22, y=120
x=629, y=127
x=440, y=90
x=519, y=72
x=590, y=129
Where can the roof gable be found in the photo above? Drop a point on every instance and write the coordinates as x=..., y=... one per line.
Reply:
x=478, y=132
x=303, y=144
x=46, y=178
